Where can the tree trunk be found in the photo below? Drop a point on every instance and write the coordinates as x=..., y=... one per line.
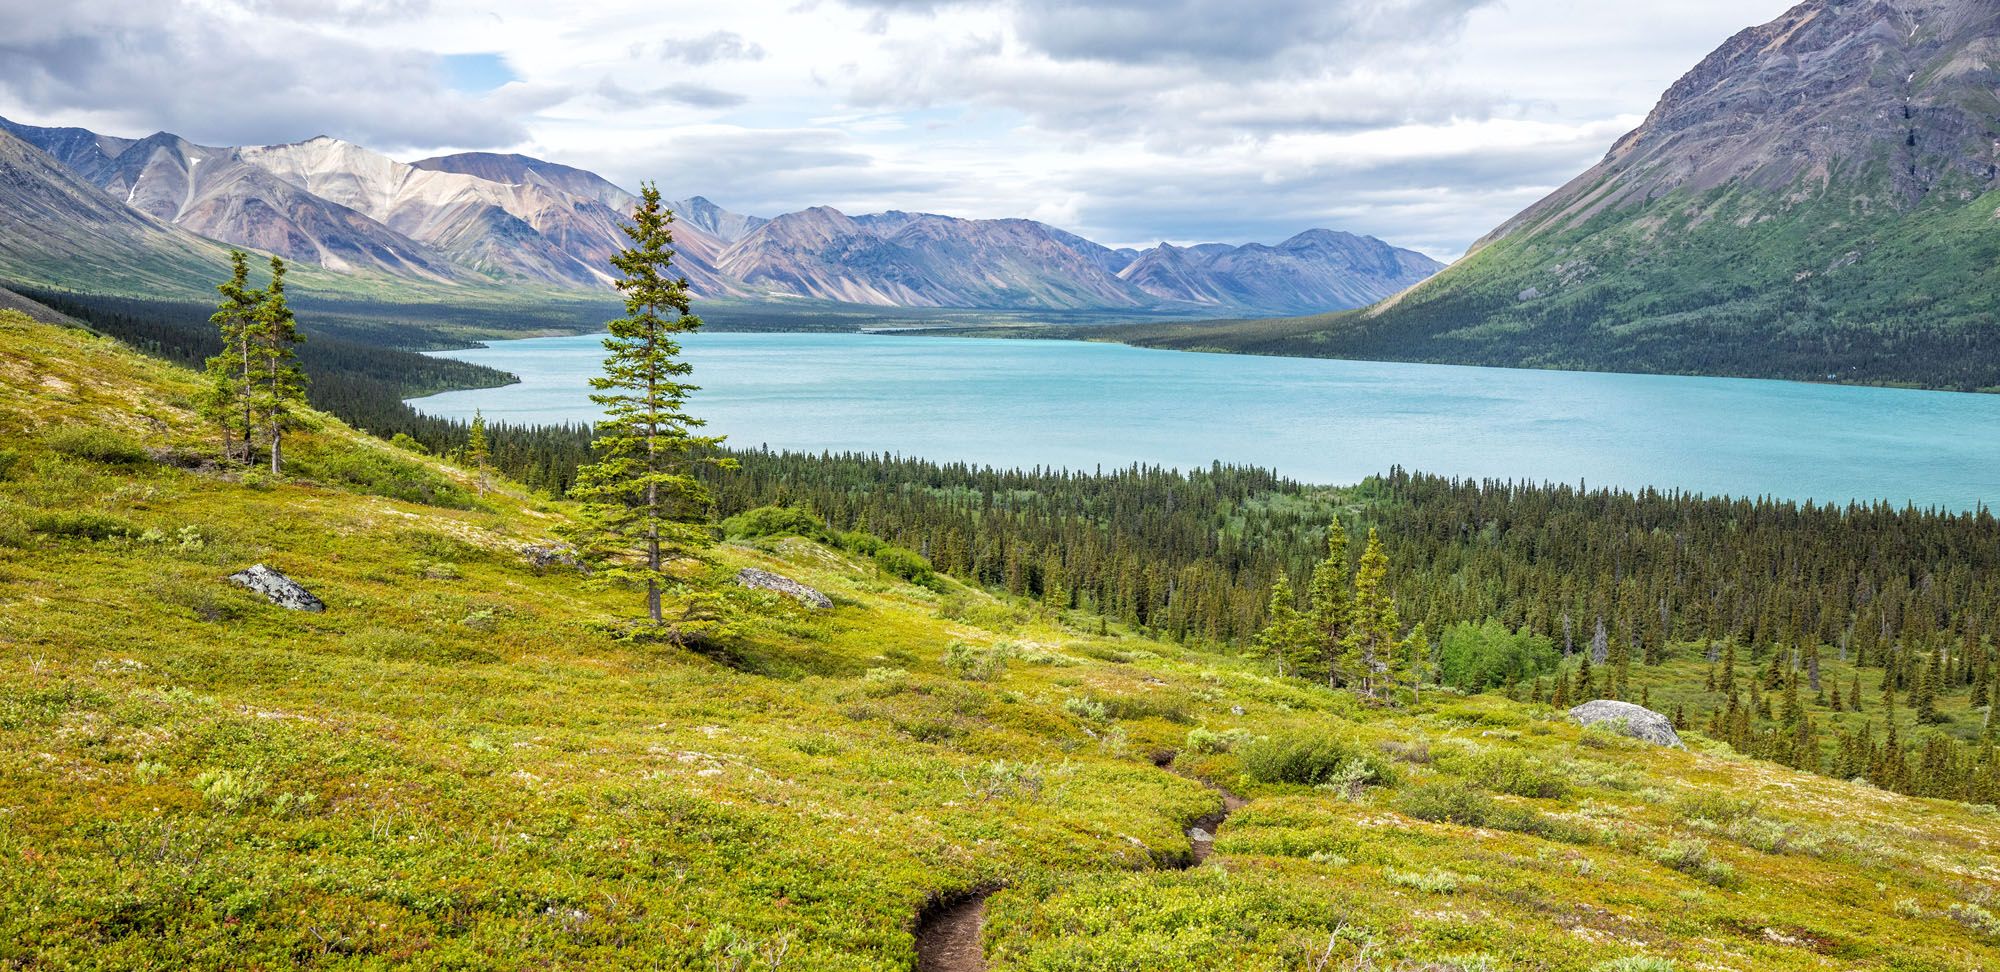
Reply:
x=249, y=450
x=653, y=486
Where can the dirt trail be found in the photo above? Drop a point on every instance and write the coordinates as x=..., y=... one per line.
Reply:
x=1201, y=833
x=948, y=936
x=948, y=933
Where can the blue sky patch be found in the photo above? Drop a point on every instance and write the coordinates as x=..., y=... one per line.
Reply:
x=475, y=73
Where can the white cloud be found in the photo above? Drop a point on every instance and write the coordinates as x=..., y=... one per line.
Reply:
x=1425, y=122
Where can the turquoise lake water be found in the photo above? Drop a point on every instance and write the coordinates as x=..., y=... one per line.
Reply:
x=1060, y=403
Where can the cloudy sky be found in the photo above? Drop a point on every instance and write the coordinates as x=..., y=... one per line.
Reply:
x=1424, y=122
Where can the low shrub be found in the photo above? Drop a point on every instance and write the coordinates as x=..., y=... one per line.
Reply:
x=1207, y=742
x=1636, y=963
x=94, y=444
x=1714, y=806
x=227, y=791
x=1434, y=881
x=1447, y=801
x=773, y=521
x=1307, y=758
x=8, y=458
x=1975, y=918
x=1526, y=820
x=392, y=644
x=378, y=473
x=862, y=542
x=1693, y=857
x=907, y=564
x=80, y=524
x=974, y=663
x=1510, y=772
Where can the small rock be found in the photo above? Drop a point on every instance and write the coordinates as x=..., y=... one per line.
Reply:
x=281, y=590
x=1636, y=721
x=542, y=556
x=1236, y=710
x=764, y=580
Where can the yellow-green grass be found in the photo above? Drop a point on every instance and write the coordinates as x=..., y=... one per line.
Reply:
x=459, y=764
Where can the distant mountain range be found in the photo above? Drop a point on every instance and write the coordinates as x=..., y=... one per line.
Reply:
x=1819, y=198
x=484, y=220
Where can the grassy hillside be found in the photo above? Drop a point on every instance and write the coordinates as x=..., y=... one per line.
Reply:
x=460, y=765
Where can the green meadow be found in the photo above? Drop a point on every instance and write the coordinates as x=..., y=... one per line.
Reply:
x=466, y=762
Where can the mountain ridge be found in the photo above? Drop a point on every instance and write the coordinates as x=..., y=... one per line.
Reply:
x=502, y=219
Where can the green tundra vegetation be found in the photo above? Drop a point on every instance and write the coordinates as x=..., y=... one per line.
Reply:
x=462, y=763
x=1861, y=595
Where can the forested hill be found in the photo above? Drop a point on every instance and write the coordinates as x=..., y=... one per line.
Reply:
x=1818, y=200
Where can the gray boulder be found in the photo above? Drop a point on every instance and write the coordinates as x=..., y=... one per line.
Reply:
x=764, y=580
x=279, y=589
x=543, y=556
x=1636, y=721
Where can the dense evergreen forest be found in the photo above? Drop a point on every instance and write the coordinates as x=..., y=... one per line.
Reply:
x=1728, y=609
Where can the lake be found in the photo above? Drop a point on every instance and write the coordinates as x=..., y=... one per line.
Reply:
x=1060, y=403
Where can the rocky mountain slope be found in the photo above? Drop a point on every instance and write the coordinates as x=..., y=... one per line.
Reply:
x=54, y=223
x=1819, y=198
x=486, y=219
x=217, y=193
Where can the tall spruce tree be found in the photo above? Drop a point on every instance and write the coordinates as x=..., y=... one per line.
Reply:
x=643, y=506
x=1371, y=637
x=225, y=398
x=278, y=384
x=1286, y=639
x=1330, y=605
x=478, y=454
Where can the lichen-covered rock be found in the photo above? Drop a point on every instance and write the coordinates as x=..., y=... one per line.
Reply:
x=279, y=589
x=542, y=556
x=1636, y=721
x=764, y=580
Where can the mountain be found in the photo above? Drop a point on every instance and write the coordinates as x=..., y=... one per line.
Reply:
x=214, y=192
x=485, y=219
x=1819, y=198
x=923, y=260
x=54, y=224
x=926, y=260
x=1315, y=270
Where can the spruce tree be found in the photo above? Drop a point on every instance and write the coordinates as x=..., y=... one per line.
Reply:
x=1286, y=637
x=1416, y=661
x=1371, y=638
x=225, y=398
x=1330, y=604
x=1727, y=684
x=478, y=454
x=278, y=384
x=1923, y=695
x=643, y=508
